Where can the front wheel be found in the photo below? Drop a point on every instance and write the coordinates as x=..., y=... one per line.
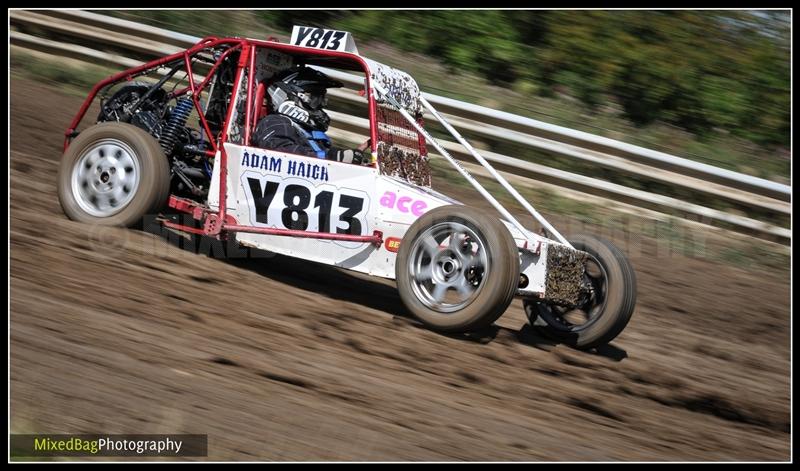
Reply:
x=113, y=174
x=606, y=309
x=457, y=269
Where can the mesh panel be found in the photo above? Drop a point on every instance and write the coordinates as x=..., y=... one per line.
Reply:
x=401, y=149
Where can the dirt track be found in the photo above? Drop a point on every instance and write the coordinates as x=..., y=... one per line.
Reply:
x=120, y=331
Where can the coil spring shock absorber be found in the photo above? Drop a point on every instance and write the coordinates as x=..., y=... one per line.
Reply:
x=176, y=122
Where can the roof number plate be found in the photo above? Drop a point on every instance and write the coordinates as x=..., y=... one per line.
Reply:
x=319, y=38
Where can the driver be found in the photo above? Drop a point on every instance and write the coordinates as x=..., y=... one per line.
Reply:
x=297, y=121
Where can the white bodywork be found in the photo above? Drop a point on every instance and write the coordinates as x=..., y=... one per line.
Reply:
x=387, y=204
x=274, y=189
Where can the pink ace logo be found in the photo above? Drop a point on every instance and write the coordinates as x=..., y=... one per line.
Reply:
x=404, y=204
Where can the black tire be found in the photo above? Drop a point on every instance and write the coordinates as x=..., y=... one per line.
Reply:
x=608, y=317
x=147, y=197
x=485, y=240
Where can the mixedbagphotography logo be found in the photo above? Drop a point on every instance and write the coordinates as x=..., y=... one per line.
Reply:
x=42, y=445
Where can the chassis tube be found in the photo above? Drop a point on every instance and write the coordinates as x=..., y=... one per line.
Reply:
x=375, y=239
x=491, y=199
x=209, y=41
x=248, y=109
x=495, y=173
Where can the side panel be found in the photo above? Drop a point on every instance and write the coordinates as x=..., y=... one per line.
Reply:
x=287, y=191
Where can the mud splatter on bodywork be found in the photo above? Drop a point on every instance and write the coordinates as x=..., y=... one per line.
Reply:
x=409, y=166
x=564, y=277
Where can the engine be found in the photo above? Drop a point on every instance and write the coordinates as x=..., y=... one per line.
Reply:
x=149, y=107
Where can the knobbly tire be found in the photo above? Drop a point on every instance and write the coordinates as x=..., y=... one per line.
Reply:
x=457, y=269
x=113, y=174
x=606, y=313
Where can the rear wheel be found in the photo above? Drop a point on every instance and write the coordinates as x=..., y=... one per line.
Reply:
x=605, y=310
x=113, y=174
x=457, y=269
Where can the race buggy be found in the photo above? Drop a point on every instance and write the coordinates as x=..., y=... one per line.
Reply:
x=457, y=269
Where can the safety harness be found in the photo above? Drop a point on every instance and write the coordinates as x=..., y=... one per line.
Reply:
x=318, y=140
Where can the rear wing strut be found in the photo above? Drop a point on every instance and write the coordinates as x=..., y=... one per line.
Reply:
x=491, y=199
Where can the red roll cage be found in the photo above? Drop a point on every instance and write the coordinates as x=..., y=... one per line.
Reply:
x=344, y=60
x=218, y=223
